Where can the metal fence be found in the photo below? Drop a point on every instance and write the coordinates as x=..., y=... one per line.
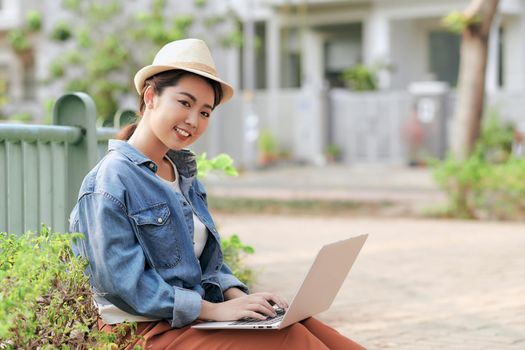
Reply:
x=42, y=167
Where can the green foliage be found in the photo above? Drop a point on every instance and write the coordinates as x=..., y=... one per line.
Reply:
x=45, y=298
x=72, y=5
x=221, y=162
x=34, y=20
x=310, y=207
x=57, y=69
x=61, y=31
x=18, y=39
x=48, y=108
x=333, y=151
x=233, y=249
x=267, y=143
x=4, y=99
x=490, y=183
x=200, y=3
x=457, y=21
x=233, y=38
x=234, y=253
x=360, y=78
x=110, y=45
x=22, y=117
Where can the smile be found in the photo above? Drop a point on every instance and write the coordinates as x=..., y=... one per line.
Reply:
x=182, y=132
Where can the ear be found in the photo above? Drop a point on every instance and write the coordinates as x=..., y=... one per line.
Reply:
x=149, y=95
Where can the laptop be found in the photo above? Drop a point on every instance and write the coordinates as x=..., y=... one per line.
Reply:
x=316, y=293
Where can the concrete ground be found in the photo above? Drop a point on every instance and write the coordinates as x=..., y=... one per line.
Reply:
x=417, y=284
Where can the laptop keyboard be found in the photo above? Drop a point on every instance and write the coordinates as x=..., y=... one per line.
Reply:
x=254, y=321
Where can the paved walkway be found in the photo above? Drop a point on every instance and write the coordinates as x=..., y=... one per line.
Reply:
x=412, y=188
x=418, y=284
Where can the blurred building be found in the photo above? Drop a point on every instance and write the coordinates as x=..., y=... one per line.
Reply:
x=295, y=91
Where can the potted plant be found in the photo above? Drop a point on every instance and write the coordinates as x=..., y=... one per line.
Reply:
x=333, y=153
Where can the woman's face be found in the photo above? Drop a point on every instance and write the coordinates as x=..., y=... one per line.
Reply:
x=180, y=114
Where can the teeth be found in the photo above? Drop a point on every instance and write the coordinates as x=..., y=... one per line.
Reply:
x=182, y=132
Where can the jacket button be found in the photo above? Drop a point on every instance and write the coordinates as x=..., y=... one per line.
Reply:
x=159, y=220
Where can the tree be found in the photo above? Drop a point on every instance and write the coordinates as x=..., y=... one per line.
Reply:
x=474, y=23
x=108, y=43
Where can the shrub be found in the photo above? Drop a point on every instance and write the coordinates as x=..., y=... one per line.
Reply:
x=45, y=299
x=234, y=253
x=34, y=20
x=221, y=162
x=360, y=78
x=61, y=32
x=490, y=183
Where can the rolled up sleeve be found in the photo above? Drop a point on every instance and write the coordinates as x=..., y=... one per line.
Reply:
x=119, y=267
x=227, y=280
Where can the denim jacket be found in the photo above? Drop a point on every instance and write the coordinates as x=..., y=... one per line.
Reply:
x=138, y=237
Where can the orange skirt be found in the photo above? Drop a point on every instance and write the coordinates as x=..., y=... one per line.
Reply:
x=308, y=334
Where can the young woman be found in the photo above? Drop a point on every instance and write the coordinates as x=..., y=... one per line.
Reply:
x=153, y=249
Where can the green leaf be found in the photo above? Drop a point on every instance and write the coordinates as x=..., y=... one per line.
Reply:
x=17, y=38
x=34, y=20
x=61, y=31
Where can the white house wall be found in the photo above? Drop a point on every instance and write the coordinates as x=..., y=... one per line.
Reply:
x=10, y=14
x=514, y=54
x=408, y=54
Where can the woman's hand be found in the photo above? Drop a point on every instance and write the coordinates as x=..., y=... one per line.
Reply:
x=257, y=306
x=233, y=293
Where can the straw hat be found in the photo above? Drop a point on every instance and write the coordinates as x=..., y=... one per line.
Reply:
x=191, y=55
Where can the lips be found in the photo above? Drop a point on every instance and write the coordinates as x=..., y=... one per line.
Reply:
x=182, y=132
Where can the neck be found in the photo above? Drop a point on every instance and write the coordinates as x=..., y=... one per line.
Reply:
x=143, y=140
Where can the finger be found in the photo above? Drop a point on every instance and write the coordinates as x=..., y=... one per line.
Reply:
x=273, y=299
x=253, y=314
x=283, y=303
x=268, y=306
x=261, y=309
x=280, y=301
x=261, y=300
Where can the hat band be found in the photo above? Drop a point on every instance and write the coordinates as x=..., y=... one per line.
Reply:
x=195, y=65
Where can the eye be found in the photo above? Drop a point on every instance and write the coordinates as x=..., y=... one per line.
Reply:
x=205, y=114
x=185, y=103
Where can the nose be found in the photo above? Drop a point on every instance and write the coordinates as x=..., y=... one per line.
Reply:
x=192, y=120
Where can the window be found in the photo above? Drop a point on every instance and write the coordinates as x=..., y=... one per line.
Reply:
x=444, y=56
x=501, y=48
x=290, y=58
x=260, y=56
x=343, y=49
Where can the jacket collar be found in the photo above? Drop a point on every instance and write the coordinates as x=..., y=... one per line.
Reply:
x=184, y=160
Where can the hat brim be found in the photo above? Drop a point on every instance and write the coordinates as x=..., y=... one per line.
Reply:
x=149, y=71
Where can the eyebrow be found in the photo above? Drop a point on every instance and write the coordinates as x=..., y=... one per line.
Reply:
x=194, y=99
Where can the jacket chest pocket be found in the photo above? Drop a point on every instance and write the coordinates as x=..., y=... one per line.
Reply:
x=157, y=236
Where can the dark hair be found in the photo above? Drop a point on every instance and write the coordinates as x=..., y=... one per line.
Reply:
x=161, y=81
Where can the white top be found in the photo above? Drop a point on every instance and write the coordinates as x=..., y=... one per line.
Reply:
x=110, y=313
x=200, y=232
